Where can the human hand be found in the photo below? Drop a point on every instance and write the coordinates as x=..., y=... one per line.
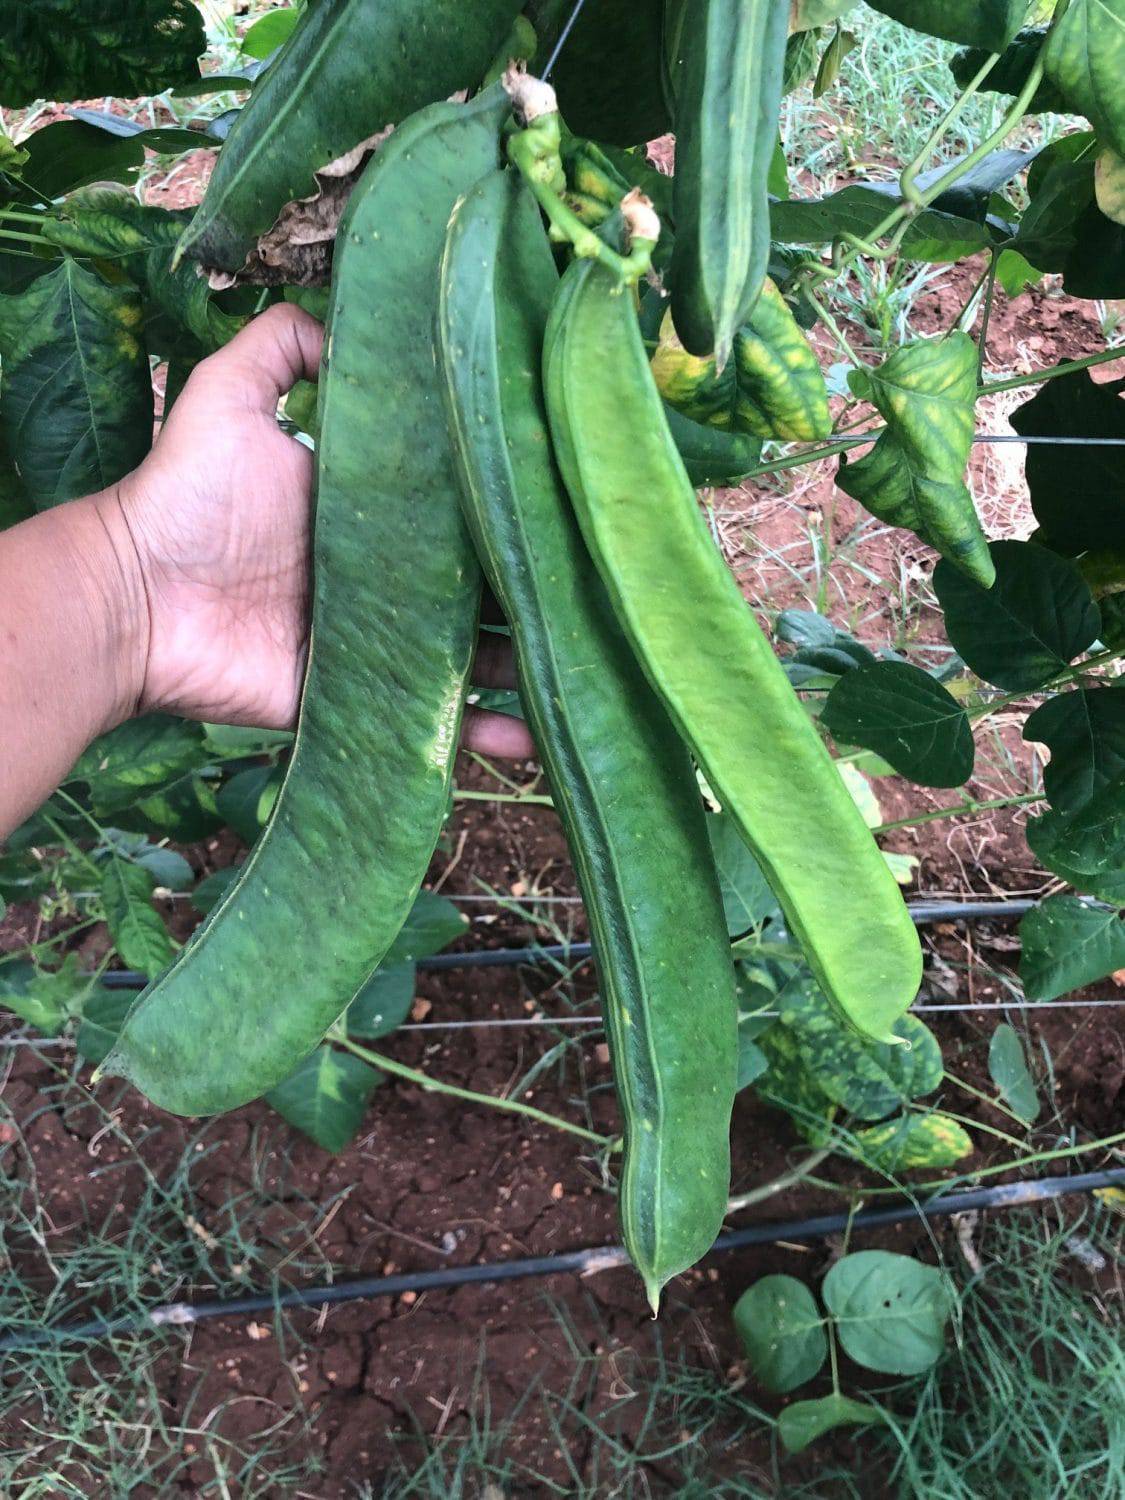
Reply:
x=214, y=527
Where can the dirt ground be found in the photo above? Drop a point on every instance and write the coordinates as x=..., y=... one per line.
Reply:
x=432, y=1182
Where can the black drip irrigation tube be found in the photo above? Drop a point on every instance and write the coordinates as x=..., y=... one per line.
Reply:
x=576, y=1262
x=924, y=914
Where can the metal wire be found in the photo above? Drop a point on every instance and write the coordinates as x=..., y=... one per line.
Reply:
x=578, y=1262
x=563, y=34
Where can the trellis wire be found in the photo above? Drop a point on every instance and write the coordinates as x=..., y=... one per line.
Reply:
x=563, y=35
x=580, y=1262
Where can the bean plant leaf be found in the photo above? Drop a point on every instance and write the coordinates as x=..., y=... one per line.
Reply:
x=802, y=1422
x=868, y=1079
x=138, y=933
x=912, y=1142
x=990, y=24
x=788, y=1084
x=1077, y=493
x=752, y=1061
x=907, y=717
x=782, y=1332
x=120, y=767
x=804, y=627
x=326, y=1097
x=241, y=800
x=168, y=868
x=81, y=49
x=890, y=1311
x=434, y=922
x=915, y=474
x=1066, y=943
x=15, y=506
x=23, y=876
x=75, y=391
x=383, y=1003
x=269, y=32
x=1010, y=74
x=1109, y=185
x=805, y=14
x=589, y=102
x=1007, y=1067
x=1085, y=58
x=1029, y=626
x=859, y=208
x=114, y=226
x=44, y=998
x=747, y=898
x=103, y=1015
x=70, y=154
x=1087, y=846
x=1085, y=733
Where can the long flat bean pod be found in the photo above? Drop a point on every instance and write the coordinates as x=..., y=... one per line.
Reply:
x=350, y=68
x=728, y=95
x=705, y=655
x=396, y=593
x=621, y=779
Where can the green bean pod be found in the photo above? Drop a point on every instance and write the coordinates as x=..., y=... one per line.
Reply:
x=396, y=592
x=703, y=652
x=728, y=97
x=621, y=779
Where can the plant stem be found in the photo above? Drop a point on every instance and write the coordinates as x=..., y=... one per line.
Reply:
x=779, y=1184
x=435, y=1086
x=996, y=1104
x=532, y=799
x=1001, y=1135
x=1068, y=367
x=986, y=316
x=958, y=811
x=906, y=183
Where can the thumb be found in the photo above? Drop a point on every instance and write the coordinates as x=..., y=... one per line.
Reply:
x=266, y=358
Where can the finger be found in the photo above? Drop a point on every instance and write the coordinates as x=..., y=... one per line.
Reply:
x=494, y=665
x=264, y=361
x=498, y=735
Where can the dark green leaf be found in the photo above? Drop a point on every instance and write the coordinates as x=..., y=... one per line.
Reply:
x=23, y=876
x=607, y=36
x=1087, y=846
x=752, y=1061
x=747, y=898
x=184, y=810
x=240, y=800
x=859, y=208
x=1037, y=617
x=138, y=933
x=801, y=52
x=1085, y=58
x=832, y=61
x=1077, y=493
x=1059, y=198
x=77, y=49
x=710, y=456
x=68, y=154
x=1067, y=944
x=433, y=923
x=209, y=892
x=910, y=1143
x=383, y=1003
x=1011, y=73
x=905, y=716
x=75, y=394
x=915, y=474
x=1007, y=1067
x=103, y=1015
x=230, y=741
x=1085, y=733
x=890, y=1311
x=45, y=998
x=803, y=627
x=15, y=506
x=802, y=1422
x=326, y=1097
x=788, y=1084
x=781, y=1330
x=869, y=1079
x=120, y=767
x=170, y=870
x=990, y=24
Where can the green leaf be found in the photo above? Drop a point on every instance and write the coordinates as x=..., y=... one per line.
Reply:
x=990, y=24
x=1011, y=73
x=890, y=1311
x=858, y=209
x=802, y=1422
x=75, y=394
x=1085, y=58
x=911, y=1142
x=805, y=14
x=804, y=627
x=45, y=998
x=240, y=800
x=230, y=741
x=112, y=225
x=752, y=1061
x=1087, y=846
x=869, y=1079
x=1109, y=185
x=184, y=810
x=1029, y=626
x=915, y=474
x=69, y=154
x=589, y=99
x=210, y=891
x=15, y=506
x=801, y=52
x=12, y=157
x=269, y=32
x=832, y=61
x=907, y=717
x=434, y=922
x=138, y=934
x=79, y=49
x=747, y=899
x=120, y=767
x=1067, y=944
x=383, y=1003
x=23, y=876
x=1007, y=1067
x=788, y=1084
x=1085, y=733
x=781, y=1330
x=1077, y=493
x=103, y=1015
x=169, y=869
x=327, y=1096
